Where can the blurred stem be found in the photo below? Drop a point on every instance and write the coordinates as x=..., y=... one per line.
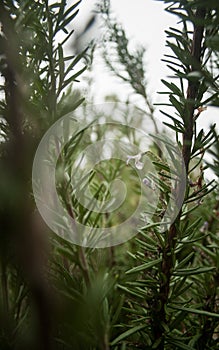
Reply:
x=112, y=261
x=106, y=342
x=4, y=284
x=84, y=266
x=28, y=252
x=82, y=256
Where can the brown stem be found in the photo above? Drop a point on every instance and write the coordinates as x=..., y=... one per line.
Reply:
x=4, y=283
x=168, y=252
x=193, y=86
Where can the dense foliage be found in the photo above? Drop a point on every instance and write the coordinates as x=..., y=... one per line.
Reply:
x=159, y=290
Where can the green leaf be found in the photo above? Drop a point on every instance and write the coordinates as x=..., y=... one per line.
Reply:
x=183, y=56
x=193, y=271
x=67, y=12
x=147, y=246
x=72, y=78
x=176, y=121
x=61, y=12
x=145, y=266
x=157, y=343
x=154, y=225
x=123, y=346
x=180, y=345
x=67, y=37
x=75, y=61
x=173, y=127
x=177, y=105
x=185, y=260
x=162, y=166
x=62, y=20
x=208, y=251
x=116, y=314
x=193, y=227
x=68, y=20
x=61, y=66
x=181, y=289
x=126, y=334
x=180, y=316
x=132, y=292
x=173, y=88
x=148, y=238
x=198, y=142
x=194, y=311
x=203, y=192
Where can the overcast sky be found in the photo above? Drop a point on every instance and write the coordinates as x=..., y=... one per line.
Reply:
x=145, y=22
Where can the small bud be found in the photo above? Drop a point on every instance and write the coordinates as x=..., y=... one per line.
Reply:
x=204, y=228
x=148, y=183
x=139, y=165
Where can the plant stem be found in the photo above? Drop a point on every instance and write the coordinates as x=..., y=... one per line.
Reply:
x=52, y=96
x=168, y=252
x=82, y=256
x=84, y=266
x=193, y=86
x=4, y=283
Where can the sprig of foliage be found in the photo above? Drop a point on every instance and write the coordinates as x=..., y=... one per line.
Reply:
x=126, y=64
x=162, y=295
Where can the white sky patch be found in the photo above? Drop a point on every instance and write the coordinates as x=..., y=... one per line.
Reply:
x=145, y=22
